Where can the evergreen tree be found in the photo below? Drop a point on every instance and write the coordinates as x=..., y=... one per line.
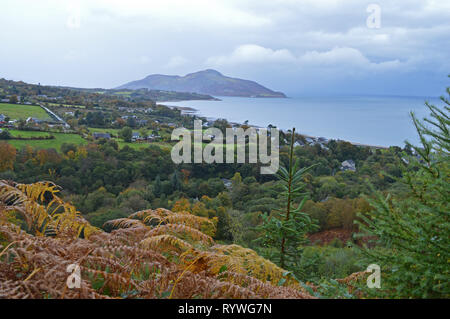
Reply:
x=412, y=232
x=175, y=181
x=285, y=230
x=157, y=187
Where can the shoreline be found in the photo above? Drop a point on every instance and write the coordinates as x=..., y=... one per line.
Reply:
x=190, y=111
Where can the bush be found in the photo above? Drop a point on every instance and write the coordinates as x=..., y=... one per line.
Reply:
x=317, y=263
x=5, y=135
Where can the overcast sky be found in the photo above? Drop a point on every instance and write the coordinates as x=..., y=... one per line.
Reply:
x=301, y=47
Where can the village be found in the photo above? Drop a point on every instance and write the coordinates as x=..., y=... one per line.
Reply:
x=142, y=129
x=61, y=116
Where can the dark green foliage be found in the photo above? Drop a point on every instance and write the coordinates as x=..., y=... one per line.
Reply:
x=126, y=133
x=175, y=181
x=318, y=262
x=5, y=135
x=413, y=231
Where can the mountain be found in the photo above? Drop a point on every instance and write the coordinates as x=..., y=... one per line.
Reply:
x=209, y=82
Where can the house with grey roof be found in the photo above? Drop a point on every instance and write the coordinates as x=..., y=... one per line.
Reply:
x=33, y=120
x=98, y=135
x=135, y=137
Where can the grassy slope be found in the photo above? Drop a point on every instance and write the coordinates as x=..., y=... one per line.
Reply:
x=61, y=138
x=67, y=105
x=18, y=111
x=143, y=145
x=133, y=145
x=27, y=134
x=113, y=131
x=56, y=143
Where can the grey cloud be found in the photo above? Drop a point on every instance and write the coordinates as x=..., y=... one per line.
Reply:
x=289, y=45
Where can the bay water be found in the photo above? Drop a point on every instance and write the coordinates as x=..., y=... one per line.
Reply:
x=372, y=120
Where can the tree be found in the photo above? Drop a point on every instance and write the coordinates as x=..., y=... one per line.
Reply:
x=175, y=181
x=182, y=205
x=7, y=156
x=199, y=209
x=221, y=124
x=224, y=225
x=157, y=187
x=41, y=157
x=13, y=99
x=412, y=232
x=143, y=132
x=21, y=124
x=126, y=133
x=66, y=147
x=5, y=135
x=120, y=122
x=186, y=174
x=131, y=121
x=236, y=179
x=285, y=230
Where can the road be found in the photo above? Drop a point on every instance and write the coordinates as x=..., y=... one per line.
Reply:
x=55, y=116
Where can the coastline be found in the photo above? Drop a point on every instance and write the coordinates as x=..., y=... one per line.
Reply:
x=190, y=111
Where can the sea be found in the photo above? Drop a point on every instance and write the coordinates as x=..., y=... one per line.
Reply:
x=371, y=120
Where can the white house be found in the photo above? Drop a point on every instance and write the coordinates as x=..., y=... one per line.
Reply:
x=136, y=136
x=348, y=165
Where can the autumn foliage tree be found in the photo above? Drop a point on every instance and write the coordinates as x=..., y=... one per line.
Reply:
x=7, y=156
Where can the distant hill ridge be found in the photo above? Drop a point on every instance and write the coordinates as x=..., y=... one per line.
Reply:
x=208, y=81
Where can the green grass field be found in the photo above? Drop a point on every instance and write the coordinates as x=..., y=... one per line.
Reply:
x=22, y=112
x=27, y=134
x=121, y=143
x=61, y=138
x=137, y=146
x=113, y=131
x=76, y=139
x=67, y=105
x=56, y=143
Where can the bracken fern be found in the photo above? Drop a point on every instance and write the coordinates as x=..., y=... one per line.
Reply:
x=151, y=254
